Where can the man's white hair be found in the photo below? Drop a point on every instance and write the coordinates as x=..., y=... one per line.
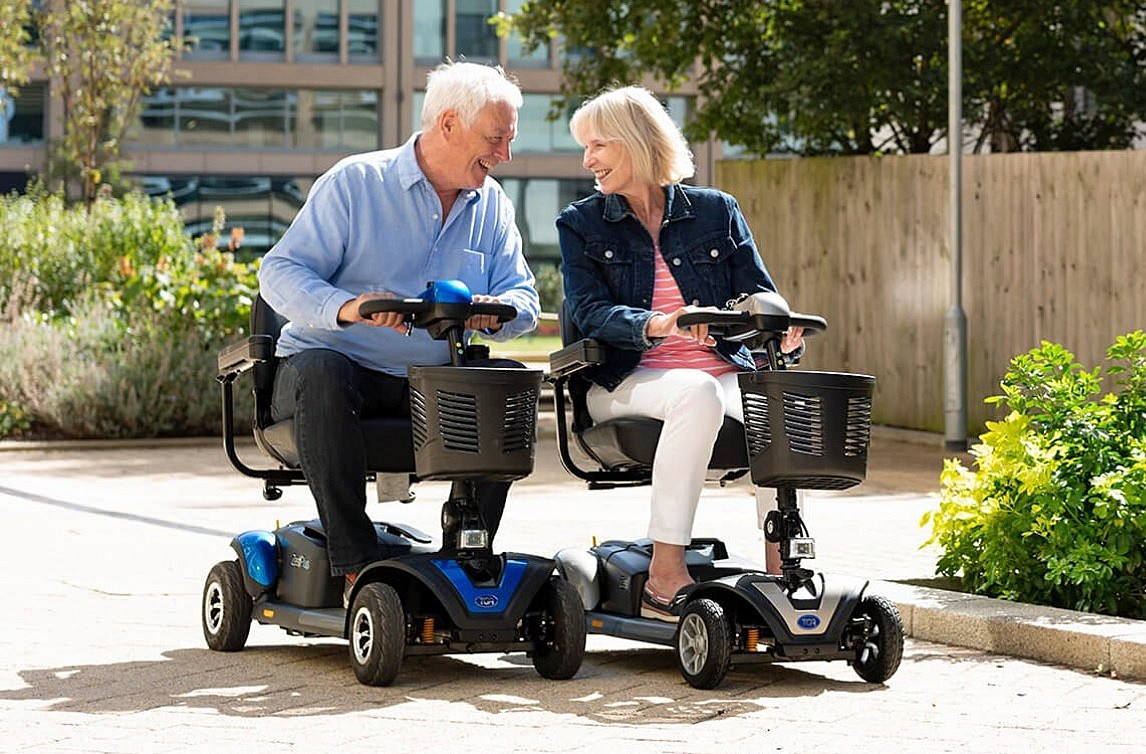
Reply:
x=466, y=88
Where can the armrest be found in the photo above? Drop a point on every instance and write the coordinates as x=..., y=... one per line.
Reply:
x=574, y=357
x=244, y=354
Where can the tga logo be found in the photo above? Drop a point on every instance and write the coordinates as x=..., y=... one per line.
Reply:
x=486, y=601
x=808, y=622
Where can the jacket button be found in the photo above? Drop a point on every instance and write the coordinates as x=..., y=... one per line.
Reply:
x=696, y=302
x=676, y=262
x=609, y=254
x=714, y=253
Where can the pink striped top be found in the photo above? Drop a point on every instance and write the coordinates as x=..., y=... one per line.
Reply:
x=678, y=351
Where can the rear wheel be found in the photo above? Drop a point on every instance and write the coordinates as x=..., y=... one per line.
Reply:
x=881, y=649
x=377, y=634
x=227, y=607
x=704, y=643
x=559, y=654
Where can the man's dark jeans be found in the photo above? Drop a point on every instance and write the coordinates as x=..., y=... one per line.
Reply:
x=327, y=393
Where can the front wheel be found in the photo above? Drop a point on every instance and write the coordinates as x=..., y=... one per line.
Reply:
x=559, y=653
x=377, y=634
x=881, y=646
x=704, y=643
x=227, y=608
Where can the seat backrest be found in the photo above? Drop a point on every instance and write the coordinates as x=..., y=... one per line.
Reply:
x=265, y=321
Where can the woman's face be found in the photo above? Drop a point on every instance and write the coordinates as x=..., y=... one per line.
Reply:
x=610, y=164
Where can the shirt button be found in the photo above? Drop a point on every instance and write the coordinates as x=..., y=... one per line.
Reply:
x=676, y=262
x=714, y=253
x=609, y=254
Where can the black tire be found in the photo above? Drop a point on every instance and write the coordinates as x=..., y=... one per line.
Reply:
x=377, y=634
x=559, y=654
x=881, y=649
x=704, y=643
x=226, y=608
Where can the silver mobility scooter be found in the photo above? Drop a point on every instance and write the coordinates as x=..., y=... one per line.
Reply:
x=802, y=430
x=468, y=425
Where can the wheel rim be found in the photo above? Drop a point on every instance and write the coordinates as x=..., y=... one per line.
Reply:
x=213, y=609
x=693, y=643
x=362, y=635
x=871, y=650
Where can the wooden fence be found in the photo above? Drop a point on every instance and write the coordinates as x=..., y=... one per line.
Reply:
x=1054, y=248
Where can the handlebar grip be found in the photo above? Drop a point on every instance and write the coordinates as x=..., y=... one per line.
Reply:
x=399, y=305
x=811, y=323
x=503, y=312
x=713, y=318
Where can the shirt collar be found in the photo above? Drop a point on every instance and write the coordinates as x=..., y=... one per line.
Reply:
x=677, y=205
x=410, y=172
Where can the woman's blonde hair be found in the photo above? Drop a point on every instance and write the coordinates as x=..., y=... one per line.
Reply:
x=633, y=116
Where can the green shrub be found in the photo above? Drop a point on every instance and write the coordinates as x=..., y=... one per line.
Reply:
x=100, y=375
x=1055, y=513
x=114, y=318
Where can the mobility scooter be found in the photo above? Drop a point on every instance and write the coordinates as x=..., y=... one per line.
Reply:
x=468, y=424
x=802, y=430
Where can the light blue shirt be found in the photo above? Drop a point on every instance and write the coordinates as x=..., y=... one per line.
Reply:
x=373, y=223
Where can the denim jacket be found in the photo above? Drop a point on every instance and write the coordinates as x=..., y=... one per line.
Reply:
x=607, y=262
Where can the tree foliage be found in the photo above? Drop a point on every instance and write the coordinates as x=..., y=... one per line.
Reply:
x=867, y=76
x=15, y=55
x=104, y=56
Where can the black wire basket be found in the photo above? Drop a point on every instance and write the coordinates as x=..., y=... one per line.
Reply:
x=474, y=423
x=807, y=430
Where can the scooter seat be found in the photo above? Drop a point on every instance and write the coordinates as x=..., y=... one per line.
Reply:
x=389, y=444
x=631, y=442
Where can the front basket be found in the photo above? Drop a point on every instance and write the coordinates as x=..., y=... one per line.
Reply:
x=807, y=430
x=477, y=423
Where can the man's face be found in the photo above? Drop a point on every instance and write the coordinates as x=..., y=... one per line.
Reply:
x=476, y=150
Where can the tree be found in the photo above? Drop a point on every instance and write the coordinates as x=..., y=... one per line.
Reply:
x=866, y=76
x=104, y=56
x=15, y=54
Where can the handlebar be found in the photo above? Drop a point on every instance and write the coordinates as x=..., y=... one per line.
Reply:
x=422, y=313
x=741, y=325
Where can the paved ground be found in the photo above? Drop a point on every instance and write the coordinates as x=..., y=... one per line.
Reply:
x=105, y=552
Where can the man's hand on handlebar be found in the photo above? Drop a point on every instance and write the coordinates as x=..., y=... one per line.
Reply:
x=484, y=322
x=348, y=314
x=663, y=325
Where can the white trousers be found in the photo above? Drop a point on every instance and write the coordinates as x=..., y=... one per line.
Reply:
x=692, y=404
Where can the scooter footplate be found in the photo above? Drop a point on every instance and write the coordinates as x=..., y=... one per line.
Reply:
x=637, y=629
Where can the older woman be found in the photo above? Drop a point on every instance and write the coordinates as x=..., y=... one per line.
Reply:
x=636, y=255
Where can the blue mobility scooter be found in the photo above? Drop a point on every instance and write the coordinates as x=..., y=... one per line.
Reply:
x=468, y=424
x=802, y=430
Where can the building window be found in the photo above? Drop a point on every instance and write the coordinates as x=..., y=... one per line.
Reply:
x=537, y=134
x=362, y=31
x=262, y=205
x=316, y=30
x=429, y=32
x=249, y=118
x=476, y=38
x=207, y=25
x=517, y=58
x=537, y=201
x=262, y=29
x=22, y=116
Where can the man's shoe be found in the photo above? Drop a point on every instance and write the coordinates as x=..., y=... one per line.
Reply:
x=347, y=588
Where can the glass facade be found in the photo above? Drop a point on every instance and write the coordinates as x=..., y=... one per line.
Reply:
x=477, y=41
x=537, y=202
x=207, y=24
x=429, y=31
x=262, y=29
x=316, y=35
x=250, y=118
x=516, y=55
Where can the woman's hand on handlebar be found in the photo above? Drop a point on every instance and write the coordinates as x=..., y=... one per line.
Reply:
x=348, y=314
x=663, y=325
x=485, y=322
x=792, y=340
